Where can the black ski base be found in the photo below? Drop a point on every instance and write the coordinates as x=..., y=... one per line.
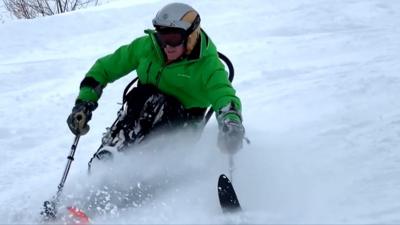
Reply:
x=227, y=196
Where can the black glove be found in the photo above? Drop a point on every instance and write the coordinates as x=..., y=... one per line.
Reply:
x=231, y=135
x=80, y=116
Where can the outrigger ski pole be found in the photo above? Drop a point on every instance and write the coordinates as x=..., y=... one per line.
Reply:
x=50, y=206
x=226, y=193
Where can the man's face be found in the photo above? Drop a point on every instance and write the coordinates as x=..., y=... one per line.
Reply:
x=173, y=53
x=172, y=40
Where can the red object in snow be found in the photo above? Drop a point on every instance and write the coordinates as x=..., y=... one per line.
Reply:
x=79, y=216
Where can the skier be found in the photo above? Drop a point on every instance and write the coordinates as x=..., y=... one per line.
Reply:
x=180, y=75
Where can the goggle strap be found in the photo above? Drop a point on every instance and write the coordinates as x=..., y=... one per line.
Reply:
x=194, y=25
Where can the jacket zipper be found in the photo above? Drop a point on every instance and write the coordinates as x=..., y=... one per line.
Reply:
x=158, y=78
x=147, y=71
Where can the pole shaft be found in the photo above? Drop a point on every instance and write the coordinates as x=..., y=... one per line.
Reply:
x=67, y=167
x=231, y=167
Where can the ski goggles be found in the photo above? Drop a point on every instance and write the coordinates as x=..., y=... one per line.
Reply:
x=171, y=37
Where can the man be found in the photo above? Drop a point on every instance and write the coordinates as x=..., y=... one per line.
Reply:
x=180, y=75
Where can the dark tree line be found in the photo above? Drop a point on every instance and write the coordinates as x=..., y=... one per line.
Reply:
x=29, y=9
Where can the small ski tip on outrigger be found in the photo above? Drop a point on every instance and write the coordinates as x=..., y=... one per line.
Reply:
x=227, y=196
x=72, y=215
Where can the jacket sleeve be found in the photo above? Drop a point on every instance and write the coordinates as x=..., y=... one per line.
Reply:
x=220, y=92
x=110, y=68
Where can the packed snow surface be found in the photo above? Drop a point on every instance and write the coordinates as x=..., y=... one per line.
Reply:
x=320, y=86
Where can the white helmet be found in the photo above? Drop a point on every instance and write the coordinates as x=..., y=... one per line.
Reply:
x=177, y=15
x=180, y=16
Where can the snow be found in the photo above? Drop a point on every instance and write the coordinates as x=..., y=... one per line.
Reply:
x=319, y=82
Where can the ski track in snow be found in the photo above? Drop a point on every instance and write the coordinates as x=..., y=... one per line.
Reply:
x=319, y=82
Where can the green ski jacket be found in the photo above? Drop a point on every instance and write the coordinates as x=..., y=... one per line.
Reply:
x=199, y=80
